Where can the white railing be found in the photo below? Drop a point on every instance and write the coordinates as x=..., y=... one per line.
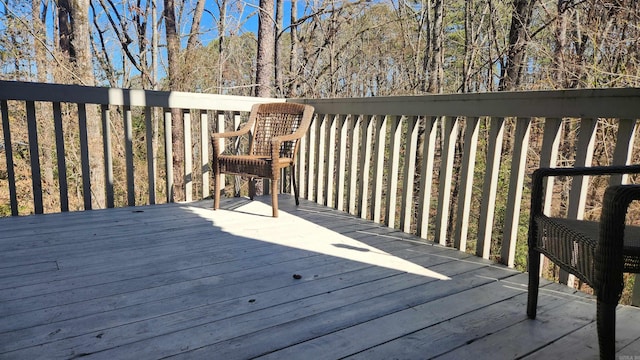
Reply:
x=360, y=157
x=434, y=165
x=41, y=106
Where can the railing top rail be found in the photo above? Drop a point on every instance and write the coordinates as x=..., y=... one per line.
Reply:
x=583, y=103
x=27, y=91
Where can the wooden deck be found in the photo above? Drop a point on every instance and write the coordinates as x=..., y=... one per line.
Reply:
x=182, y=281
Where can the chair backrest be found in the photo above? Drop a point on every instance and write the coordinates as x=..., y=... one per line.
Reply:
x=278, y=119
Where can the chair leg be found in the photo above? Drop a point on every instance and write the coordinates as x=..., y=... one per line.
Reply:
x=295, y=185
x=216, y=191
x=534, y=283
x=274, y=197
x=606, y=320
x=252, y=188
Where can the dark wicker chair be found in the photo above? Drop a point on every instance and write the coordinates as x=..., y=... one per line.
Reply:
x=273, y=146
x=595, y=252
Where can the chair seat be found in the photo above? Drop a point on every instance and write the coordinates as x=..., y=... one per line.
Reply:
x=249, y=165
x=572, y=243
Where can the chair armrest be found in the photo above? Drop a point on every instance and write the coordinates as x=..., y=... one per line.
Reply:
x=539, y=175
x=243, y=130
x=609, y=259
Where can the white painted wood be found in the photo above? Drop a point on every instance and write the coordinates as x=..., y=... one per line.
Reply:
x=490, y=187
x=332, y=125
x=84, y=156
x=311, y=156
x=301, y=166
x=621, y=103
x=341, y=169
x=60, y=151
x=128, y=150
x=584, y=155
x=151, y=159
x=411, y=149
x=188, y=156
x=26, y=91
x=393, y=164
x=469, y=150
x=624, y=147
x=168, y=155
x=514, y=198
x=321, y=156
x=354, y=151
x=108, y=155
x=204, y=154
x=549, y=156
x=365, y=156
x=450, y=127
x=426, y=175
x=11, y=177
x=220, y=128
x=379, y=145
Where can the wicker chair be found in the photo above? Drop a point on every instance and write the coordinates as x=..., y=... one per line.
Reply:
x=595, y=252
x=273, y=146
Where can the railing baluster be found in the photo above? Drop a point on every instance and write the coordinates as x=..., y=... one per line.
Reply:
x=378, y=167
x=108, y=155
x=168, y=155
x=584, y=155
x=84, y=156
x=470, y=146
x=34, y=157
x=549, y=155
x=409, y=173
x=514, y=199
x=449, y=136
x=365, y=155
x=188, y=156
x=426, y=175
x=354, y=150
x=151, y=157
x=311, y=156
x=330, y=161
x=60, y=154
x=490, y=187
x=128, y=151
x=624, y=146
x=342, y=159
x=8, y=148
x=204, y=153
x=392, y=175
x=301, y=166
x=321, y=155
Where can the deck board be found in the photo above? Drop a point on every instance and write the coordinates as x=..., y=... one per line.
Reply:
x=183, y=281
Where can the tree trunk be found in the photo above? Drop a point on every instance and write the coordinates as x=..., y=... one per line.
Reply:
x=173, y=58
x=293, y=54
x=511, y=72
x=266, y=45
x=194, y=34
x=436, y=57
x=277, y=67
